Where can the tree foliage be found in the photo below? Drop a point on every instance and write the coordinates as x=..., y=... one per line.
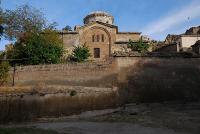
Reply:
x=140, y=46
x=1, y=22
x=1, y=30
x=2, y=54
x=38, y=49
x=80, y=53
x=36, y=41
x=23, y=19
x=4, y=72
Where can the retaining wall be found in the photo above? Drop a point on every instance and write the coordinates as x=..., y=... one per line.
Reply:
x=108, y=74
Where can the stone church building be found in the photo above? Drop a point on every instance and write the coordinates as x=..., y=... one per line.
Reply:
x=101, y=36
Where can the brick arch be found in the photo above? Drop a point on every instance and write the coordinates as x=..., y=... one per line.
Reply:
x=85, y=34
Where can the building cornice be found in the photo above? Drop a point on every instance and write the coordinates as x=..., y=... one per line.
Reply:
x=129, y=33
x=67, y=32
x=195, y=35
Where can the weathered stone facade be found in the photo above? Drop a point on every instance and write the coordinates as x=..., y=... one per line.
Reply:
x=193, y=31
x=171, y=39
x=111, y=74
x=196, y=47
x=100, y=35
x=184, y=41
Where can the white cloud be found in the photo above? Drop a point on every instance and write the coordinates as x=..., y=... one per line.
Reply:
x=174, y=19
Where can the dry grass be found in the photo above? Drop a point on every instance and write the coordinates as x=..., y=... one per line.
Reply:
x=22, y=104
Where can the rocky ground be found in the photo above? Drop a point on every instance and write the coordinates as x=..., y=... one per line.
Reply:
x=157, y=118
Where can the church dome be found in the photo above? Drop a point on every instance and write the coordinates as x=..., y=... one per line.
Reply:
x=99, y=16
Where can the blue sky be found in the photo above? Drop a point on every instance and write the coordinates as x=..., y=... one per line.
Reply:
x=155, y=18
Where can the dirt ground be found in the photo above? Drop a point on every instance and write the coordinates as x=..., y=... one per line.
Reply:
x=157, y=118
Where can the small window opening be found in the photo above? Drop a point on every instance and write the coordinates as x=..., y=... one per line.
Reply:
x=93, y=38
x=102, y=37
x=96, y=52
x=97, y=38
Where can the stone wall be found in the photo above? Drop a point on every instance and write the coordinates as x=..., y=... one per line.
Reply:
x=126, y=36
x=106, y=74
x=187, y=41
x=70, y=39
x=169, y=48
x=86, y=74
x=159, y=79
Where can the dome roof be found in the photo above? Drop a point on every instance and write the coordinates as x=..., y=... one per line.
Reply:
x=99, y=16
x=99, y=13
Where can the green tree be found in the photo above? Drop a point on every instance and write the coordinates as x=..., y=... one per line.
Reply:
x=2, y=54
x=80, y=53
x=24, y=19
x=51, y=37
x=4, y=72
x=36, y=41
x=140, y=46
x=44, y=48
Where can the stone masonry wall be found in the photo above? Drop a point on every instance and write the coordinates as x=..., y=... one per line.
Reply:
x=121, y=70
x=86, y=74
x=125, y=37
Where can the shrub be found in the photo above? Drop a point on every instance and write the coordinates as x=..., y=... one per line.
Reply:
x=4, y=69
x=2, y=54
x=140, y=46
x=73, y=93
x=80, y=53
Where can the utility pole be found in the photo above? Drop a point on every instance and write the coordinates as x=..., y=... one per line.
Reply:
x=14, y=69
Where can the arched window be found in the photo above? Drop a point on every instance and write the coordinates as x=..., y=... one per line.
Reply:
x=93, y=38
x=102, y=37
x=97, y=38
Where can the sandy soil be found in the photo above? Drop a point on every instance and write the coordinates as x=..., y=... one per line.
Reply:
x=165, y=118
x=104, y=128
